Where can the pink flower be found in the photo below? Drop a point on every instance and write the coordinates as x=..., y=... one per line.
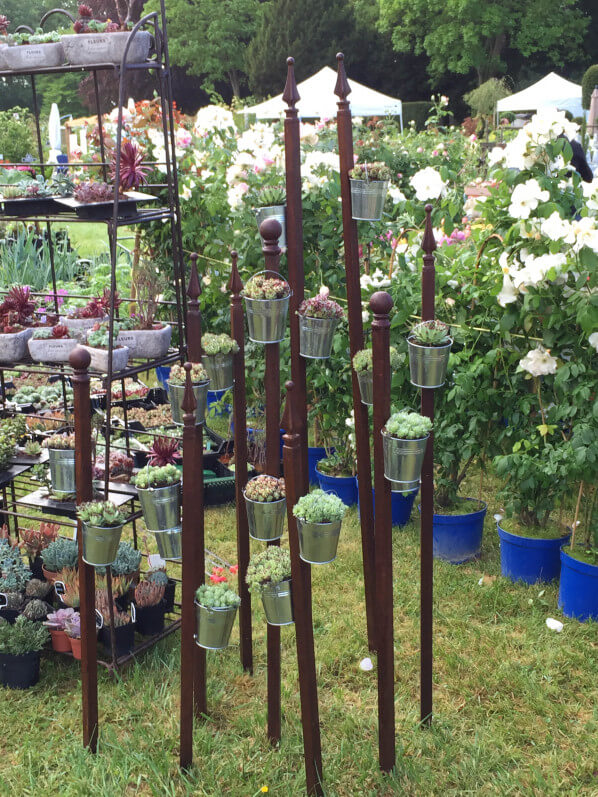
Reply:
x=243, y=188
x=434, y=152
x=420, y=149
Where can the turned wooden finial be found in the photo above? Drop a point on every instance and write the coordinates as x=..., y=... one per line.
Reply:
x=271, y=230
x=428, y=241
x=291, y=92
x=79, y=358
x=342, y=88
x=194, y=287
x=235, y=284
x=188, y=403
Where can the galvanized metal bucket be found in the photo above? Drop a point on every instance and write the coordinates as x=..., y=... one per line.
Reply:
x=100, y=544
x=366, y=387
x=169, y=542
x=62, y=471
x=278, y=212
x=403, y=461
x=316, y=336
x=427, y=364
x=214, y=626
x=266, y=518
x=367, y=199
x=176, y=394
x=277, y=600
x=220, y=370
x=161, y=506
x=318, y=541
x=267, y=319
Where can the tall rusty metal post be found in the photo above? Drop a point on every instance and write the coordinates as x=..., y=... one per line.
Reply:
x=427, y=494
x=235, y=286
x=362, y=427
x=79, y=360
x=301, y=580
x=380, y=305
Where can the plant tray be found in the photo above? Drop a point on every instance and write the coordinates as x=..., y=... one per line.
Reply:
x=103, y=210
x=27, y=206
x=219, y=485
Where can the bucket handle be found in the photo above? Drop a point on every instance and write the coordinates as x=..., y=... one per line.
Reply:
x=133, y=613
x=3, y=596
x=99, y=620
x=275, y=275
x=62, y=586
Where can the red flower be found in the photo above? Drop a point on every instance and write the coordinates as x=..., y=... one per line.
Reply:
x=234, y=569
x=217, y=579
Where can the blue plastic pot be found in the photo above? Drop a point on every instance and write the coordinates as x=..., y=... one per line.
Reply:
x=214, y=397
x=529, y=559
x=401, y=505
x=343, y=486
x=314, y=455
x=458, y=538
x=578, y=594
x=163, y=374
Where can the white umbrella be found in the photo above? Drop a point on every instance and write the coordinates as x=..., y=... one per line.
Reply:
x=54, y=134
x=593, y=114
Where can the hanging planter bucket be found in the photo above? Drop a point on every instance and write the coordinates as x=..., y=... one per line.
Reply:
x=318, y=541
x=176, y=394
x=214, y=626
x=169, y=542
x=161, y=506
x=367, y=199
x=62, y=471
x=403, y=460
x=366, y=387
x=267, y=318
x=316, y=336
x=266, y=519
x=100, y=544
x=530, y=559
x=578, y=593
x=278, y=212
x=427, y=364
x=277, y=600
x=220, y=370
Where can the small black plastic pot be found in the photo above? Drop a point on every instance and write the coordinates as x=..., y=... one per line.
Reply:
x=169, y=591
x=149, y=620
x=19, y=672
x=124, y=639
x=9, y=615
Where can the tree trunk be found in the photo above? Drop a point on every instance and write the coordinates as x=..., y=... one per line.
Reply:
x=235, y=83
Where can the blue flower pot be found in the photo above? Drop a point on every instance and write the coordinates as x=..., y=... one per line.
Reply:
x=314, y=455
x=214, y=397
x=458, y=538
x=343, y=486
x=163, y=374
x=401, y=505
x=529, y=559
x=578, y=594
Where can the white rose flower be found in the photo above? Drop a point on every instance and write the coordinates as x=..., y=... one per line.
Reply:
x=593, y=340
x=428, y=184
x=585, y=233
x=556, y=228
x=508, y=292
x=396, y=194
x=539, y=362
x=526, y=197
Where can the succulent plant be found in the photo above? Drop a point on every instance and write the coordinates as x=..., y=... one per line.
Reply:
x=14, y=600
x=370, y=172
x=270, y=196
x=159, y=577
x=70, y=579
x=320, y=306
x=126, y=563
x=99, y=335
x=265, y=489
x=120, y=465
x=178, y=375
x=61, y=442
x=14, y=573
x=57, y=620
x=4, y=23
x=262, y=287
x=164, y=451
x=148, y=593
x=36, y=588
x=132, y=173
x=337, y=463
x=93, y=191
x=407, y=425
x=37, y=37
x=7, y=450
x=36, y=609
x=157, y=477
x=218, y=344
x=319, y=507
x=103, y=514
x=25, y=636
x=19, y=300
x=362, y=361
x=217, y=596
x=72, y=626
x=93, y=309
x=35, y=540
x=270, y=566
x=60, y=554
x=33, y=448
x=430, y=333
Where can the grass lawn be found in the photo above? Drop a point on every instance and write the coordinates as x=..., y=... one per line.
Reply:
x=91, y=239
x=516, y=705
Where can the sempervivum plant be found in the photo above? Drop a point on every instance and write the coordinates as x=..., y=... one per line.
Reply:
x=270, y=566
x=362, y=361
x=265, y=489
x=218, y=344
x=99, y=335
x=103, y=514
x=178, y=375
x=321, y=306
x=370, y=172
x=7, y=449
x=157, y=477
x=93, y=191
x=4, y=23
x=60, y=554
x=430, y=333
x=262, y=287
x=121, y=465
x=132, y=172
x=20, y=303
x=148, y=593
x=270, y=196
x=164, y=451
x=407, y=425
x=63, y=442
x=58, y=332
x=217, y=596
x=319, y=507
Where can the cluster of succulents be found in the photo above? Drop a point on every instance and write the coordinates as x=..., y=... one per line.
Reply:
x=96, y=307
x=339, y=463
x=270, y=196
x=148, y=593
x=217, y=596
x=98, y=336
x=320, y=306
x=72, y=626
x=362, y=361
x=25, y=636
x=265, y=488
x=407, y=425
x=36, y=609
x=102, y=514
x=126, y=563
x=85, y=23
x=132, y=172
x=218, y=344
x=120, y=467
x=58, y=619
x=430, y=333
x=157, y=576
x=32, y=448
x=36, y=588
x=57, y=332
x=156, y=416
x=270, y=566
x=4, y=23
x=178, y=374
x=103, y=607
x=151, y=477
x=36, y=540
x=37, y=37
x=370, y=172
x=13, y=600
x=319, y=507
x=42, y=397
x=7, y=449
x=19, y=301
x=61, y=442
x=60, y=554
x=164, y=451
x=93, y=191
x=70, y=581
x=14, y=573
x=262, y=287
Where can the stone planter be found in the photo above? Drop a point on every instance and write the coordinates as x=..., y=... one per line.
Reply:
x=51, y=350
x=79, y=327
x=27, y=57
x=13, y=345
x=83, y=49
x=146, y=343
x=100, y=360
x=3, y=64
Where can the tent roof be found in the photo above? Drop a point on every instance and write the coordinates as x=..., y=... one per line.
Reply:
x=552, y=91
x=318, y=100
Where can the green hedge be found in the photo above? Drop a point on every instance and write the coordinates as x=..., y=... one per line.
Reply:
x=418, y=111
x=589, y=80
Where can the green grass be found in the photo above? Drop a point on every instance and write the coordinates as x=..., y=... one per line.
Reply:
x=90, y=239
x=516, y=705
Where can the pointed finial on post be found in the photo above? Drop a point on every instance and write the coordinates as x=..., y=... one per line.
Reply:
x=291, y=92
x=235, y=285
x=342, y=88
x=428, y=241
x=188, y=403
x=194, y=287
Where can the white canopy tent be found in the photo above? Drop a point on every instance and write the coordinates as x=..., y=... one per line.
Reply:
x=318, y=100
x=552, y=91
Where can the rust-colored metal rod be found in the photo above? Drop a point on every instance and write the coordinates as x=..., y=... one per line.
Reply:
x=304, y=634
x=427, y=496
x=79, y=360
x=237, y=323
x=362, y=425
x=380, y=305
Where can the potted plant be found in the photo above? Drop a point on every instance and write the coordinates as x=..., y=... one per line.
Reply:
x=218, y=351
x=319, y=518
x=429, y=348
x=120, y=468
x=34, y=541
x=102, y=523
x=176, y=391
x=16, y=319
x=215, y=611
x=56, y=623
x=149, y=608
x=61, y=458
x=145, y=336
x=72, y=628
x=336, y=474
x=363, y=367
x=269, y=574
x=126, y=564
x=159, y=576
x=81, y=319
x=265, y=500
x=369, y=186
x=98, y=342
x=270, y=203
x=98, y=42
x=578, y=590
x=36, y=609
x=405, y=436
x=124, y=628
x=60, y=554
x=36, y=588
x=318, y=318
x=20, y=646
x=51, y=344
x=159, y=491
x=30, y=51
x=267, y=303
x=11, y=604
